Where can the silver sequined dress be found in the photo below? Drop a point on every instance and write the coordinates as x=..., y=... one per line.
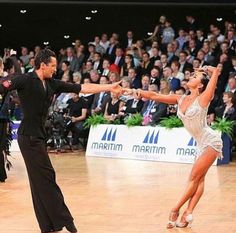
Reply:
x=195, y=121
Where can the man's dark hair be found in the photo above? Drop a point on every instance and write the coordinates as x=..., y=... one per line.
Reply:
x=43, y=56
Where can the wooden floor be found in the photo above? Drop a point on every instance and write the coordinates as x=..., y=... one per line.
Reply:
x=121, y=196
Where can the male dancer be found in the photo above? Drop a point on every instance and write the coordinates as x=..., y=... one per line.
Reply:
x=36, y=92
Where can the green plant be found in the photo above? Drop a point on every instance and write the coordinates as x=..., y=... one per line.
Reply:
x=116, y=122
x=223, y=125
x=171, y=122
x=134, y=120
x=95, y=120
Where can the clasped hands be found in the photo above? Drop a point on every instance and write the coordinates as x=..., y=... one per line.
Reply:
x=117, y=89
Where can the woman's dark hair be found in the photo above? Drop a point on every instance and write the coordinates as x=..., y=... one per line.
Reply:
x=43, y=56
x=204, y=82
x=67, y=63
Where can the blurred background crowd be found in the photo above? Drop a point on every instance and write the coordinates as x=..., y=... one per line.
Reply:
x=161, y=62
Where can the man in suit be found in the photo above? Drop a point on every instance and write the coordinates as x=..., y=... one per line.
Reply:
x=155, y=76
x=136, y=80
x=119, y=57
x=70, y=57
x=97, y=62
x=111, y=50
x=100, y=99
x=132, y=106
x=154, y=109
x=171, y=54
x=174, y=82
x=183, y=61
x=129, y=40
x=231, y=39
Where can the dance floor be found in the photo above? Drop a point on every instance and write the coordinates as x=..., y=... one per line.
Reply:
x=121, y=196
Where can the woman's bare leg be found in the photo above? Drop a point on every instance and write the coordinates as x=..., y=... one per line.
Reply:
x=197, y=195
x=199, y=170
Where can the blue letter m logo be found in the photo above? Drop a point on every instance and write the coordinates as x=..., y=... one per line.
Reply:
x=192, y=142
x=109, y=135
x=151, y=138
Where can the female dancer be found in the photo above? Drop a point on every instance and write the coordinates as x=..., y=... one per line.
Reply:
x=192, y=110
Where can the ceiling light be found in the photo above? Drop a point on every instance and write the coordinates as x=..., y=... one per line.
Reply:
x=73, y=43
x=219, y=19
x=0, y=25
x=88, y=18
x=23, y=11
x=94, y=11
x=150, y=33
x=46, y=43
x=66, y=36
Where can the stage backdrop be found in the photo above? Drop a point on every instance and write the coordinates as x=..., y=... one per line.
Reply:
x=143, y=143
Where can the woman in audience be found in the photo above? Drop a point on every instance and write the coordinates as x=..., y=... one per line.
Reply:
x=129, y=63
x=114, y=77
x=113, y=107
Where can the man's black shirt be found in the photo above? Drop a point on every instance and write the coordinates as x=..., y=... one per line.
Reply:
x=35, y=100
x=75, y=107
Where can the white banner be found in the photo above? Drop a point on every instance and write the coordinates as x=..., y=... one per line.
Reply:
x=142, y=142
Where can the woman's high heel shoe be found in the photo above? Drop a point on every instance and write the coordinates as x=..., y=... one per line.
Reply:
x=171, y=223
x=188, y=222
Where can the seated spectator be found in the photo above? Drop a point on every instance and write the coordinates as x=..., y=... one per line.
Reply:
x=173, y=108
x=77, y=77
x=119, y=57
x=106, y=67
x=113, y=107
x=87, y=68
x=65, y=71
x=135, y=79
x=231, y=86
x=97, y=62
x=153, y=111
x=145, y=81
x=94, y=76
x=171, y=54
x=175, y=65
x=183, y=61
x=227, y=109
x=146, y=65
x=129, y=63
x=77, y=111
x=164, y=87
x=185, y=86
x=87, y=97
x=72, y=58
x=114, y=77
x=181, y=38
x=154, y=55
x=196, y=63
x=174, y=82
x=100, y=99
x=30, y=67
x=155, y=76
x=126, y=83
x=131, y=107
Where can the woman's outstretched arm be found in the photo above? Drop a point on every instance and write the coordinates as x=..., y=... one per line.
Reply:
x=151, y=95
